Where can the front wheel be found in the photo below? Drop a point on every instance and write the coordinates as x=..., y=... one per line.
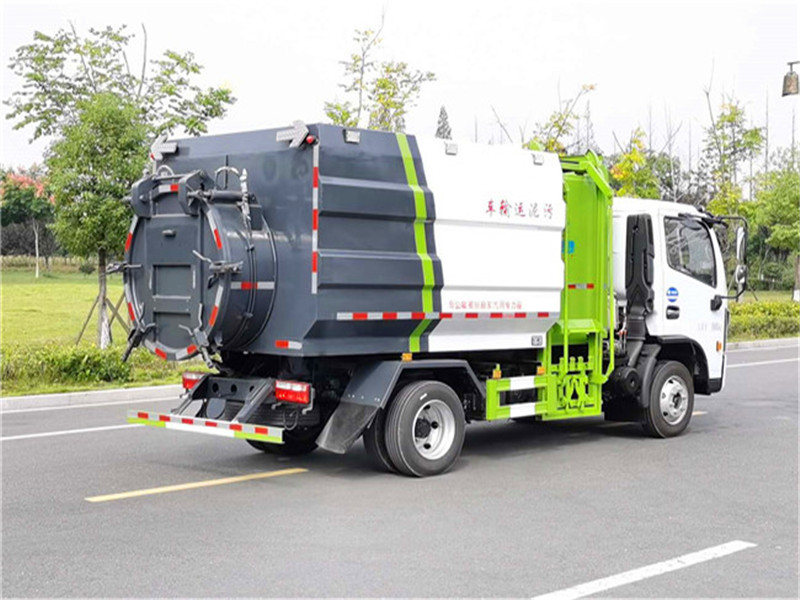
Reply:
x=671, y=400
x=425, y=429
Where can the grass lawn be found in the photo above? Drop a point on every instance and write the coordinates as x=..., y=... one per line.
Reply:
x=767, y=296
x=52, y=309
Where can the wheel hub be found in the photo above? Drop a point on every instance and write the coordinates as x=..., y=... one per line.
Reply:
x=434, y=429
x=674, y=400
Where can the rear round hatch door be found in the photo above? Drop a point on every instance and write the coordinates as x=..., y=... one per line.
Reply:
x=199, y=266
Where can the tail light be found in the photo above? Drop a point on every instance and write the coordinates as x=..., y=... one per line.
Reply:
x=293, y=391
x=190, y=379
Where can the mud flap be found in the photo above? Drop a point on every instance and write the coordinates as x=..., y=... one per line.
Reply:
x=345, y=426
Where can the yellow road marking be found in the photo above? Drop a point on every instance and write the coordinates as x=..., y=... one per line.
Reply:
x=697, y=413
x=194, y=485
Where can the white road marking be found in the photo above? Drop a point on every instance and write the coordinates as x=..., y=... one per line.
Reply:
x=763, y=362
x=634, y=575
x=65, y=432
x=94, y=405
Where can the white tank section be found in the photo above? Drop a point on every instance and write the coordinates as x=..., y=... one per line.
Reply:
x=500, y=214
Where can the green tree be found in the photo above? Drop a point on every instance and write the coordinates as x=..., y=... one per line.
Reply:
x=61, y=71
x=632, y=173
x=443, y=130
x=392, y=93
x=552, y=135
x=73, y=84
x=384, y=91
x=92, y=166
x=728, y=143
x=23, y=199
x=778, y=204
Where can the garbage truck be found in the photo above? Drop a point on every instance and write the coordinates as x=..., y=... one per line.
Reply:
x=343, y=283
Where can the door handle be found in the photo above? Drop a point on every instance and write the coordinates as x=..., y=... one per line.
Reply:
x=673, y=312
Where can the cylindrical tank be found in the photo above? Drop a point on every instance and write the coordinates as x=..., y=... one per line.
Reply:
x=353, y=242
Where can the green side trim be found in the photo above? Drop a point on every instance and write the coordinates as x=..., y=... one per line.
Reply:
x=257, y=436
x=138, y=421
x=420, y=237
x=413, y=341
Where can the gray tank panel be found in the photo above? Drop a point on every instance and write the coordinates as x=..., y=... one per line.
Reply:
x=367, y=253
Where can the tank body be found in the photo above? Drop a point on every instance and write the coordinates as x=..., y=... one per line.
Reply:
x=385, y=243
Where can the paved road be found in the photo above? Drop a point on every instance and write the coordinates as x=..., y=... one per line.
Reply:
x=528, y=509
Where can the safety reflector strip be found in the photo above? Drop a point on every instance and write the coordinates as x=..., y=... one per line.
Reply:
x=160, y=353
x=315, y=218
x=418, y=316
x=213, y=318
x=129, y=239
x=245, y=431
x=288, y=345
x=131, y=313
x=252, y=285
x=580, y=286
x=217, y=239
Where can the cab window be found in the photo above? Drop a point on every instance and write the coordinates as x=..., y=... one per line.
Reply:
x=689, y=249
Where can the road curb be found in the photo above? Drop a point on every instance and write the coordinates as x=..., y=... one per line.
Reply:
x=153, y=392
x=98, y=397
x=773, y=343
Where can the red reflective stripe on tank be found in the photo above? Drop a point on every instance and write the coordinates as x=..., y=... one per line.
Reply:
x=160, y=353
x=143, y=415
x=542, y=315
x=572, y=286
x=235, y=427
x=314, y=262
x=446, y=315
x=130, y=312
x=316, y=177
x=417, y=315
x=213, y=318
x=217, y=239
x=210, y=424
x=262, y=430
x=495, y=315
x=128, y=241
x=173, y=187
x=471, y=316
x=281, y=343
x=164, y=418
x=187, y=421
x=315, y=219
x=248, y=285
x=390, y=316
x=359, y=316
x=520, y=315
x=191, y=349
x=589, y=286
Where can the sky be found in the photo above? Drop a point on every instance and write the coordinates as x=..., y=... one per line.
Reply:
x=649, y=61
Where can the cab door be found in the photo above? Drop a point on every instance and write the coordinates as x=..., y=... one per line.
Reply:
x=693, y=275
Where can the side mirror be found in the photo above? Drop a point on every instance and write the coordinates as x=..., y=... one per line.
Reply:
x=741, y=245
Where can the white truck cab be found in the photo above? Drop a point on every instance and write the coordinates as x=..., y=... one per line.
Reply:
x=689, y=309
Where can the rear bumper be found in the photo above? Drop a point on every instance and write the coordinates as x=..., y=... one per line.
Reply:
x=245, y=431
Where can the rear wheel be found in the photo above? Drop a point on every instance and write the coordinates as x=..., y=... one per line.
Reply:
x=671, y=400
x=425, y=429
x=295, y=443
x=375, y=443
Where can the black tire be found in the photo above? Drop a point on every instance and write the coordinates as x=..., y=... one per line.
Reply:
x=404, y=428
x=671, y=381
x=294, y=443
x=375, y=443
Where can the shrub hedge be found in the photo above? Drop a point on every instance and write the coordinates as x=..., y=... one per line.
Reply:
x=764, y=320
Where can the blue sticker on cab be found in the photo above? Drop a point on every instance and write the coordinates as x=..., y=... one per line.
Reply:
x=672, y=294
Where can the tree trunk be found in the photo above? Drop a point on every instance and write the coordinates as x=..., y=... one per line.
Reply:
x=36, y=244
x=103, y=328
